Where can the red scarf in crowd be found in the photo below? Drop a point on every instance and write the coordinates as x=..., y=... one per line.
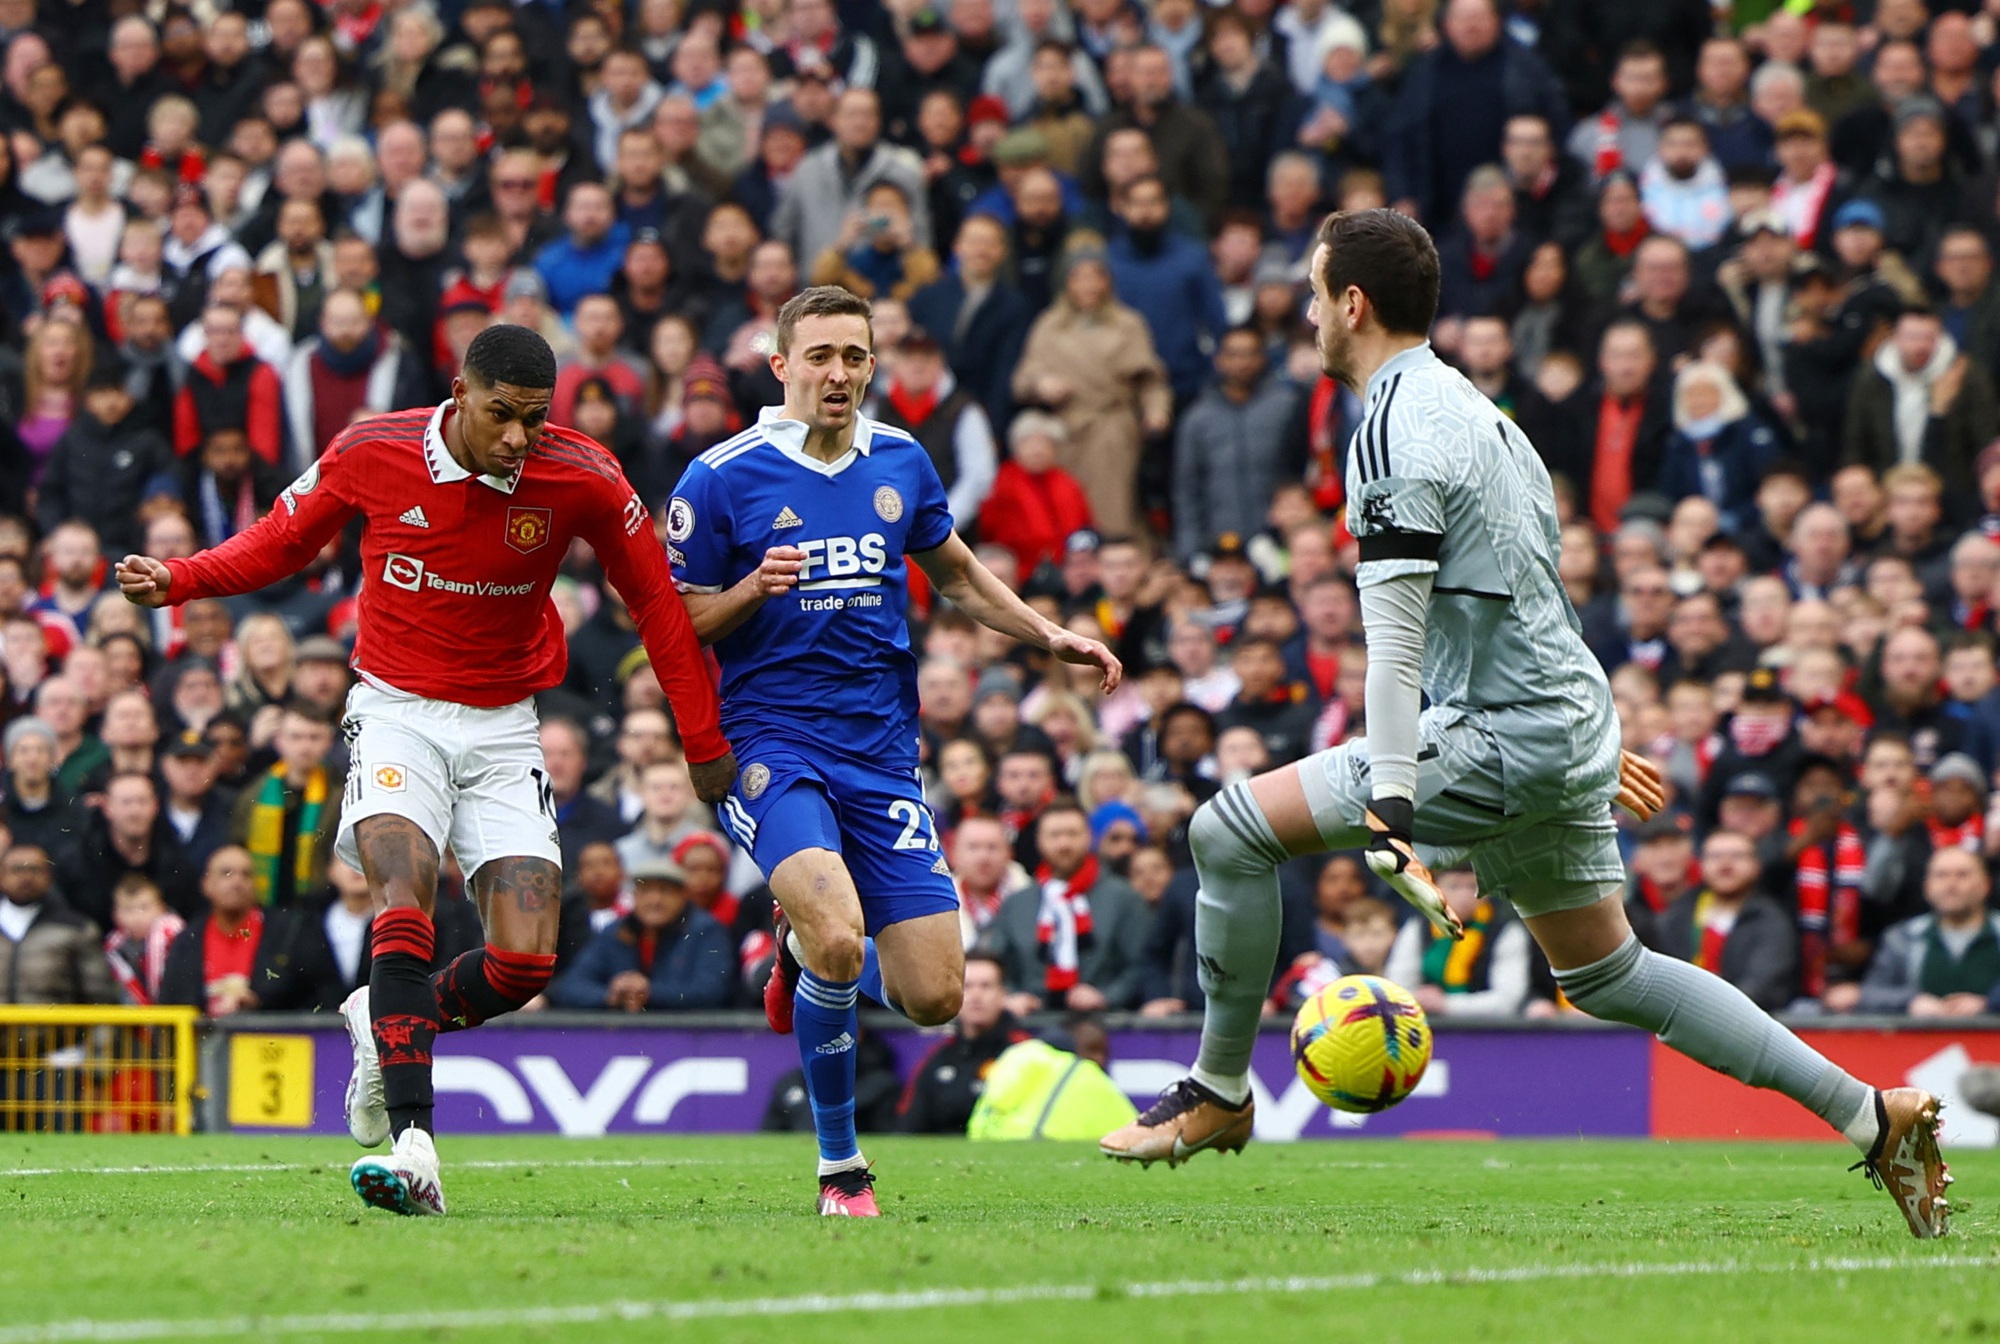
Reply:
x=1019, y=819
x=1757, y=734
x=1323, y=425
x=1829, y=887
x=1062, y=929
x=1609, y=158
x=1969, y=834
x=1711, y=933
x=1626, y=243
x=915, y=407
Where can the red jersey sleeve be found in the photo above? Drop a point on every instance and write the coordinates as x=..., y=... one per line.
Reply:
x=620, y=530
x=308, y=514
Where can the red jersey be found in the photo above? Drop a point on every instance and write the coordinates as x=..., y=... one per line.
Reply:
x=456, y=568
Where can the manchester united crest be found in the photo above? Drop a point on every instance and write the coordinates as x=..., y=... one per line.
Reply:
x=389, y=778
x=528, y=529
x=888, y=504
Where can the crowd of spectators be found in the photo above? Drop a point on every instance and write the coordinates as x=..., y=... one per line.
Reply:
x=1730, y=267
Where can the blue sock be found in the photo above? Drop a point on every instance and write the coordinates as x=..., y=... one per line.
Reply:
x=826, y=1025
x=870, y=982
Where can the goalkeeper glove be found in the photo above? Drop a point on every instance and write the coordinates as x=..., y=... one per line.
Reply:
x=1393, y=857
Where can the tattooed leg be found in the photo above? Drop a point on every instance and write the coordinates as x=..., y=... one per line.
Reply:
x=401, y=865
x=520, y=900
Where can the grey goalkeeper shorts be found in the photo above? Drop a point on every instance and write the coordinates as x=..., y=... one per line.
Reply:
x=1540, y=862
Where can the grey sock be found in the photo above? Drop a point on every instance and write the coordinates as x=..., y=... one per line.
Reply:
x=1712, y=1022
x=1238, y=916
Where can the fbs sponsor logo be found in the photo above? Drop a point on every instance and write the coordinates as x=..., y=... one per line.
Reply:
x=410, y=574
x=839, y=1045
x=844, y=557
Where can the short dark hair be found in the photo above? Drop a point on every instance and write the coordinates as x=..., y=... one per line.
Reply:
x=982, y=957
x=1639, y=50
x=1185, y=709
x=1063, y=806
x=317, y=715
x=820, y=301
x=1388, y=257
x=516, y=356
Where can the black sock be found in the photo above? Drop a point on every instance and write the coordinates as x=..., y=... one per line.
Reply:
x=482, y=984
x=404, y=1007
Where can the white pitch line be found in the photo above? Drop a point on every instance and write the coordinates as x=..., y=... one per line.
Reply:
x=823, y=1304
x=197, y=1168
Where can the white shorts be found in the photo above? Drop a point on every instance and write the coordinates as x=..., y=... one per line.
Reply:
x=471, y=778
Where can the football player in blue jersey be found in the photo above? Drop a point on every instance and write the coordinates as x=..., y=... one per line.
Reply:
x=789, y=542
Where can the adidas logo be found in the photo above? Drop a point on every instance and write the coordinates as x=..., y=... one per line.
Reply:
x=941, y=867
x=839, y=1045
x=786, y=518
x=415, y=517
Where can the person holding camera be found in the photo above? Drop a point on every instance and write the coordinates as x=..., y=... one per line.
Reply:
x=876, y=254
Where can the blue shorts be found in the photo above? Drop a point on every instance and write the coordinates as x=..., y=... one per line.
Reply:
x=787, y=798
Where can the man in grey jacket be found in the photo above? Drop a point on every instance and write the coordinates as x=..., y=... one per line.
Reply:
x=831, y=181
x=48, y=952
x=1943, y=964
x=1075, y=938
x=1230, y=453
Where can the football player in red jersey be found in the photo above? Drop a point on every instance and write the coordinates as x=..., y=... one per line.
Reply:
x=468, y=508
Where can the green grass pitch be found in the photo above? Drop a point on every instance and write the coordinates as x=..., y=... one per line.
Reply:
x=697, y=1239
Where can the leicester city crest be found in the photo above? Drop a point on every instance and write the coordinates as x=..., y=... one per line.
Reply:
x=756, y=779
x=888, y=504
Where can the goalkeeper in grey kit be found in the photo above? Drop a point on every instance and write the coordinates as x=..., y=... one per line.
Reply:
x=1516, y=764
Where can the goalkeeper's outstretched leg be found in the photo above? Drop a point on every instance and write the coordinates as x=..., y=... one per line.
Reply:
x=1561, y=871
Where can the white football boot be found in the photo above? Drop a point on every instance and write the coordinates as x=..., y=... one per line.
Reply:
x=367, y=1112
x=405, y=1181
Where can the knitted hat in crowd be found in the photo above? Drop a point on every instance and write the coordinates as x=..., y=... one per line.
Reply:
x=1961, y=767
x=1919, y=107
x=997, y=681
x=986, y=107
x=694, y=840
x=107, y=370
x=1802, y=121
x=463, y=298
x=1109, y=814
x=524, y=283
x=705, y=381
x=1859, y=215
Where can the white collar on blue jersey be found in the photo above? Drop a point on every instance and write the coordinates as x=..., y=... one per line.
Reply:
x=789, y=438
x=444, y=467
x=1401, y=362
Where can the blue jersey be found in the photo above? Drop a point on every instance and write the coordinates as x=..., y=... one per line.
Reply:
x=827, y=664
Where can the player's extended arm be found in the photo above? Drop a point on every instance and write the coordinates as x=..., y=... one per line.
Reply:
x=277, y=547
x=717, y=614
x=1393, y=617
x=974, y=589
x=638, y=570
